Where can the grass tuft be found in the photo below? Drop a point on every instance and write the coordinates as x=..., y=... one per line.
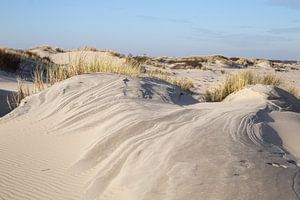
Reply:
x=23, y=91
x=237, y=81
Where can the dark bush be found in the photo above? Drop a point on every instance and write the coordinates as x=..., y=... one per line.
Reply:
x=9, y=61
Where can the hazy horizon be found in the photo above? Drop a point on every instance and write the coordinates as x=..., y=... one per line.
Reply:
x=267, y=29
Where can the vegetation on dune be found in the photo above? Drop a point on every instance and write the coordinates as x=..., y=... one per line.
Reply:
x=200, y=62
x=49, y=74
x=9, y=61
x=44, y=77
x=237, y=81
x=15, y=99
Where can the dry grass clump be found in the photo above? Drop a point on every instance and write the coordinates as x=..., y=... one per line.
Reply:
x=184, y=84
x=50, y=75
x=237, y=81
x=45, y=76
x=15, y=99
x=136, y=60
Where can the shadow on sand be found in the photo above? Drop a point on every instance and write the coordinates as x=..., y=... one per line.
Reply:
x=4, y=95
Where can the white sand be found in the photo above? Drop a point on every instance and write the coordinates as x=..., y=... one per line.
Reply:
x=8, y=81
x=94, y=137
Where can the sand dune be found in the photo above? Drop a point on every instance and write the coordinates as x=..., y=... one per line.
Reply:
x=74, y=56
x=95, y=136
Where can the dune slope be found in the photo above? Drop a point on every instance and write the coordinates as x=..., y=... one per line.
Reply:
x=103, y=136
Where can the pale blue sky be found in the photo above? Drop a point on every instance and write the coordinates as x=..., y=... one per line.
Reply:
x=250, y=28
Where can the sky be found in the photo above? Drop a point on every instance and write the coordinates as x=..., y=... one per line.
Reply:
x=247, y=28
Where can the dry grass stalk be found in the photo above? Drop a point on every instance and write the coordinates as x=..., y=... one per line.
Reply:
x=23, y=91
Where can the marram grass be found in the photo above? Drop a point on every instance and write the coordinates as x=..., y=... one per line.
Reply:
x=44, y=77
x=237, y=81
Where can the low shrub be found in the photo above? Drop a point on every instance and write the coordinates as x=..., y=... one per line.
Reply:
x=9, y=61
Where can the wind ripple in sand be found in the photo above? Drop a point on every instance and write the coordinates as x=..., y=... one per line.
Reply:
x=94, y=137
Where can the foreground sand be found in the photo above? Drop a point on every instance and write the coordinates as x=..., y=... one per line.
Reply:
x=97, y=137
